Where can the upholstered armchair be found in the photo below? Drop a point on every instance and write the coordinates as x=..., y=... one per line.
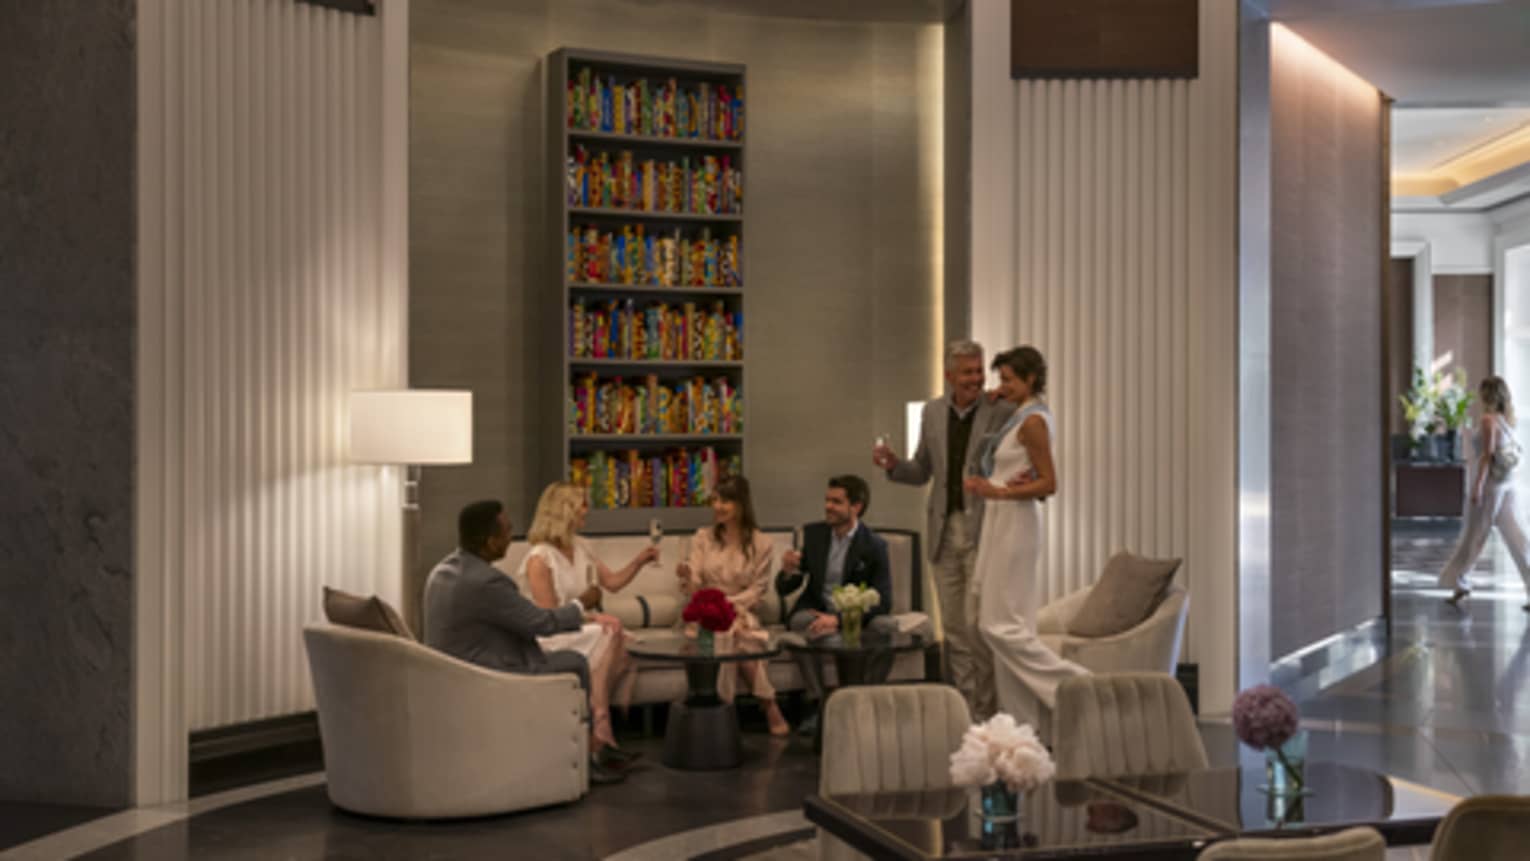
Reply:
x=1125, y=724
x=1353, y=844
x=1488, y=826
x=411, y=732
x=886, y=738
x=1151, y=646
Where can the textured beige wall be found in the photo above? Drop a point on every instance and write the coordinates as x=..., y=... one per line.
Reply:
x=842, y=235
x=1328, y=241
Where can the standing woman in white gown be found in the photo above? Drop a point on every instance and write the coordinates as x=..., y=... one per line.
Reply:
x=1020, y=474
x=560, y=567
x=1491, y=502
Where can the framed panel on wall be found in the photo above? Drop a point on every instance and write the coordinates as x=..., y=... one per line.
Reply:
x=1104, y=39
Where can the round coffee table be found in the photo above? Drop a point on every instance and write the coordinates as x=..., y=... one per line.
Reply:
x=868, y=661
x=703, y=730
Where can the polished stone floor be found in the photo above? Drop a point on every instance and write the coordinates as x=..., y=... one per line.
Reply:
x=1444, y=703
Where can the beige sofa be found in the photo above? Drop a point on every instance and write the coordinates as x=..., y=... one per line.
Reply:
x=651, y=604
x=414, y=733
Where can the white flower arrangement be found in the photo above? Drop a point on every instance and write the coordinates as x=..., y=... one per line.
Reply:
x=853, y=597
x=1002, y=750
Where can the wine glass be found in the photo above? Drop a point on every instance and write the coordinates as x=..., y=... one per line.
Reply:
x=797, y=538
x=655, y=534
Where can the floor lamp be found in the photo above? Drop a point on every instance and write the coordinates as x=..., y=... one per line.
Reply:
x=412, y=428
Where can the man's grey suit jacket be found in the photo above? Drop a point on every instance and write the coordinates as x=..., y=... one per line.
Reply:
x=929, y=461
x=475, y=613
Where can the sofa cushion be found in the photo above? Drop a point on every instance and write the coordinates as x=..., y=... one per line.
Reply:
x=1126, y=594
x=368, y=614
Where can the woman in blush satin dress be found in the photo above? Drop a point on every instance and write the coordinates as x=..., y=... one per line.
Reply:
x=734, y=556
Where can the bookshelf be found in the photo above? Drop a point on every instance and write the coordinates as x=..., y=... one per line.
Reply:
x=649, y=245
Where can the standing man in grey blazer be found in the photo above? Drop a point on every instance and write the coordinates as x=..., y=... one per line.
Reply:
x=475, y=613
x=953, y=433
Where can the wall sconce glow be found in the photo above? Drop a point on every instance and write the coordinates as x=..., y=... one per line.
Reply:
x=414, y=427
x=913, y=412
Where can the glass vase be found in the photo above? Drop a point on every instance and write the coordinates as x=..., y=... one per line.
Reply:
x=999, y=810
x=1285, y=767
x=706, y=642
x=850, y=627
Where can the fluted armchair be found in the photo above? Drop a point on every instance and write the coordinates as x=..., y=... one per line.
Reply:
x=411, y=732
x=1152, y=646
x=1124, y=724
x=888, y=738
x=1353, y=844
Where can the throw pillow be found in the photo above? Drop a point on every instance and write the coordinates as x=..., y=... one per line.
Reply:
x=1126, y=594
x=368, y=614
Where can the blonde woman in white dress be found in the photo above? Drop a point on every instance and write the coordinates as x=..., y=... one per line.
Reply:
x=1492, y=501
x=560, y=567
x=1020, y=474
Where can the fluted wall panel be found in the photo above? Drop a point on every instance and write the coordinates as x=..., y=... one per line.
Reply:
x=274, y=294
x=1104, y=235
x=1102, y=289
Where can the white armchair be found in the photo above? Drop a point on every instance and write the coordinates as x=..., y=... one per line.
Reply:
x=414, y=733
x=1152, y=646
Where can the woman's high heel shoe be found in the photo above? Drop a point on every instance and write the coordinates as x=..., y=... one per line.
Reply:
x=1456, y=597
x=776, y=720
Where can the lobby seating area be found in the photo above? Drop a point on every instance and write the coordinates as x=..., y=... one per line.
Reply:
x=650, y=608
x=764, y=430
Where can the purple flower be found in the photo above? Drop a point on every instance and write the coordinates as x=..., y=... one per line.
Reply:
x=1263, y=717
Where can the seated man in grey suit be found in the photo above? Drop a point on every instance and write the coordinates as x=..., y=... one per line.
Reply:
x=837, y=551
x=475, y=613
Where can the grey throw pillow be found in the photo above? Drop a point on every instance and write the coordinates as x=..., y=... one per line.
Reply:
x=1127, y=593
x=368, y=614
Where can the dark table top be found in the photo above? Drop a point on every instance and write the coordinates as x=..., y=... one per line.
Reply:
x=1059, y=820
x=871, y=641
x=1339, y=796
x=1165, y=816
x=685, y=650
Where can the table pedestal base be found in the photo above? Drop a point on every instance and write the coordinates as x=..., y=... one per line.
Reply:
x=702, y=737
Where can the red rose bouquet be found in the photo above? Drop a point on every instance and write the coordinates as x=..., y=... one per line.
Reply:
x=710, y=609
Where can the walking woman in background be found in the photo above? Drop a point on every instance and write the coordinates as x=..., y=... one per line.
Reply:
x=1019, y=474
x=1492, y=494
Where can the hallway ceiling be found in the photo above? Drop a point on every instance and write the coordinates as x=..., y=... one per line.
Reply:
x=1436, y=53
x=1459, y=72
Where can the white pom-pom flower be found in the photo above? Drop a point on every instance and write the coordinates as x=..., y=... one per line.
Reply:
x=1002, y=750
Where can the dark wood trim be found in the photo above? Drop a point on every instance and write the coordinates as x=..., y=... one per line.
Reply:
x=353, y=7
x=253, y=752
x=1104, y=39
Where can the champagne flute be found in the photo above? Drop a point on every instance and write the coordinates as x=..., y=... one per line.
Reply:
x=655, y=534
x=797, y=537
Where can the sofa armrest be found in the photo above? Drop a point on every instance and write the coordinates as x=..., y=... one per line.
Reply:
x=1152, y=646
x=1054, y=617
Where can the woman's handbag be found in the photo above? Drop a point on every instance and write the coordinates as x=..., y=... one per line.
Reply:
x=1505, y=458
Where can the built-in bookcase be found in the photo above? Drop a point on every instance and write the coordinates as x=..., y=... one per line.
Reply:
x=648, y=165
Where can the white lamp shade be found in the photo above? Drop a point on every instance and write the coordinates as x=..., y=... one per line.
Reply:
x=414, y=426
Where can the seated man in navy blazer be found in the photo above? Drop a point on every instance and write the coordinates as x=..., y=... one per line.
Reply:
x=837, y=551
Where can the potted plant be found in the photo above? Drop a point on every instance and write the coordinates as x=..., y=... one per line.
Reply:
x=1420, y=411
x=1452, y=400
